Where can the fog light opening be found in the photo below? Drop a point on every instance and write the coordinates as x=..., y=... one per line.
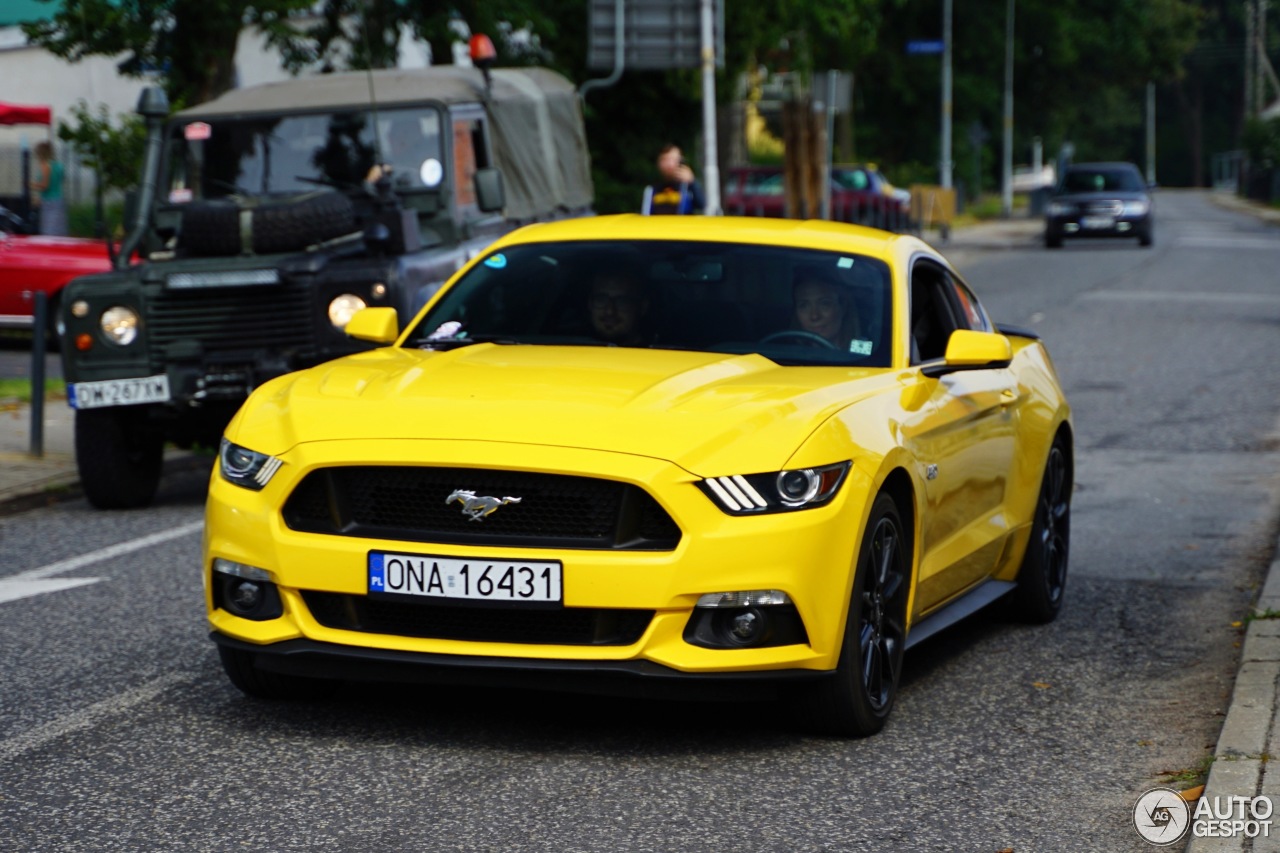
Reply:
x=245, y=596
x=748, y=626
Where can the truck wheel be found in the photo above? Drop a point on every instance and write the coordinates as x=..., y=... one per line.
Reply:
x=119, y=457
x=279, y=223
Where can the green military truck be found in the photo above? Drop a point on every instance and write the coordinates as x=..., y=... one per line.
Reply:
x=267, y=217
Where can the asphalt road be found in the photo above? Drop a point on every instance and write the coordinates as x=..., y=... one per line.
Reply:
x=118, y=731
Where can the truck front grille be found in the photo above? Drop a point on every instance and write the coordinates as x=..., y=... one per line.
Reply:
x=225, y=321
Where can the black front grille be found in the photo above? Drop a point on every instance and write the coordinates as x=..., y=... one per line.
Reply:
x=234, y=319
x=419, y=505
x=571, y=626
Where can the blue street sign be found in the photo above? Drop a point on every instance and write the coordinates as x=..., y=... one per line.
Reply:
x=919, y=46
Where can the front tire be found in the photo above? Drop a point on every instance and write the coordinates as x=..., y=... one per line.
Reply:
x=857, y=699
x=264, y=684
x=119, y=457
x=1042, y=579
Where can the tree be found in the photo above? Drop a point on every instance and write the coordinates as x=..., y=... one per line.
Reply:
x=190, y=44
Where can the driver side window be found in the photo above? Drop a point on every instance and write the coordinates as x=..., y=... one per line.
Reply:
x=933, y=316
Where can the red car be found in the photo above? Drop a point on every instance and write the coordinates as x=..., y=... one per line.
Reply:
x=34, y=264
x=759, y=191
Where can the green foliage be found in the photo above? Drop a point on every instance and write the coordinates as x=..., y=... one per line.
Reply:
x=113, y=151
x=1261, y=140
x=190, y=43
x=82, y=220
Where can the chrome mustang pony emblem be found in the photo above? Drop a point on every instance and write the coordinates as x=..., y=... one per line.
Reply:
x=476, y=508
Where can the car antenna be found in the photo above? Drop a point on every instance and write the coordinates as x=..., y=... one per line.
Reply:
x=373, y=98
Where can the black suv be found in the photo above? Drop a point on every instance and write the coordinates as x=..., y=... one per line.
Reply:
x=1099, y=200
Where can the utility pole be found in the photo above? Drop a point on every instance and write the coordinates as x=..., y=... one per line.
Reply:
x=1006, y=168
x=1151, y=133
x=945, y=164
x=711, y=155
x=1250, y=65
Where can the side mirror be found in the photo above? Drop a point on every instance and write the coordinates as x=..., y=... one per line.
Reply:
x=969, y=350
x=489, y=195
x=379, y=325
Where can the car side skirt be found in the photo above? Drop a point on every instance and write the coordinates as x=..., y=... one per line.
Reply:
x=985, y=593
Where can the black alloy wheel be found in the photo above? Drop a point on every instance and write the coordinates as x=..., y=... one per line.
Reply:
x=1042, y=579
x=857, y=699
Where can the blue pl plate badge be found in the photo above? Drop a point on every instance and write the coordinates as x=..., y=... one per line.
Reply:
x=377, y=573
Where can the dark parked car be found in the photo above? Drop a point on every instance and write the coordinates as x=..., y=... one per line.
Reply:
x=1099, y=200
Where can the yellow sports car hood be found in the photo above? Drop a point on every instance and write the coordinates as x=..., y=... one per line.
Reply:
x=684, y=407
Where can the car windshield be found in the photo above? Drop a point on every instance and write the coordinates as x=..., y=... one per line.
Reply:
x=794, y=306
x=1102, y=180
x=281, y=154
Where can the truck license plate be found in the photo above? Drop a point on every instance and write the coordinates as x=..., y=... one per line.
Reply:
x=118, y=392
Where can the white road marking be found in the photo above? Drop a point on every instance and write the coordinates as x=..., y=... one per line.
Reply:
x=11, y=748
x=1227, y=242
x=35, y=581
x=1184, y=296
x=12, y=590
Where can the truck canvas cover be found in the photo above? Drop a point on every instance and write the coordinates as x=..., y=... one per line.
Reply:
x=539, y=142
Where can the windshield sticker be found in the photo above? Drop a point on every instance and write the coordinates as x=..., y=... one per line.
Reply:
x=197, y=130
x=431, y=172
x=446, y=331
x=858, y=346
x=496, y=262
x=845, y=263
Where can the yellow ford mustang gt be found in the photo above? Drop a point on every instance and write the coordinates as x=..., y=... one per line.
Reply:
x=633, y=453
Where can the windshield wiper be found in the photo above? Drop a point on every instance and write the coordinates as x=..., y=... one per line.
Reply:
x=455, y=342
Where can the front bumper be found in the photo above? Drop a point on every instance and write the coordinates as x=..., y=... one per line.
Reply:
x=806, y=554
x=629, y=678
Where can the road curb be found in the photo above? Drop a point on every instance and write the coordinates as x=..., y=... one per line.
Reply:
x=1248, y=737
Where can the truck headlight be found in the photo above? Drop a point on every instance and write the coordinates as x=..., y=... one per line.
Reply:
x=343, y=308
x=120, y=325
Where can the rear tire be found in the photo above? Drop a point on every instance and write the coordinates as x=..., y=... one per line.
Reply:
x=1042, y=579
x=857, y=699
x=1052, y=241
x=274, y=686
x=119, y=457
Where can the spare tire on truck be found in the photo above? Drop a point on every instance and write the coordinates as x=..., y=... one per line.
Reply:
x=264, y=225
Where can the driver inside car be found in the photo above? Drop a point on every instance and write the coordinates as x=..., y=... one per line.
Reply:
x=824, y=308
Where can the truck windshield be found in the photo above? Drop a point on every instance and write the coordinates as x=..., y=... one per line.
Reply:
x=256, y=155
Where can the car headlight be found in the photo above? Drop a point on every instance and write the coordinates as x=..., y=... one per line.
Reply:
x=343, y=308
x=246, y=467
x=120, y=325
x=1057, y=208
x=777, y=491
x=1135, y=208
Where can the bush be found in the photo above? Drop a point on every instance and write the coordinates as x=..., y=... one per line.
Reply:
x=82, y=220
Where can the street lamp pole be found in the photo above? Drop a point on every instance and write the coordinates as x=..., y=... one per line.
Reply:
x=1006, y=170
x=945, y=164
x=711, y=163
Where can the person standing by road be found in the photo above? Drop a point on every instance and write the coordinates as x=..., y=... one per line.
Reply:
x=47, y=188
x=677, y=190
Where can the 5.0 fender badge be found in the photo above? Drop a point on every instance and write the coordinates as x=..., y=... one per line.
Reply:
x=476, y=508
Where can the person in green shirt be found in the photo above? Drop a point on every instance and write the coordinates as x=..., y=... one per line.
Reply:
x=47, y=186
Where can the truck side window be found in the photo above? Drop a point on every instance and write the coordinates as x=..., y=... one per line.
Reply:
x=469, y=154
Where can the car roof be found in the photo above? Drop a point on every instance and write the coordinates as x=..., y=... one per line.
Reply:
x=806, y=234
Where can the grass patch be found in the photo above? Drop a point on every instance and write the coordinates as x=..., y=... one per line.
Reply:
x=1197, y=774
x=20, y=389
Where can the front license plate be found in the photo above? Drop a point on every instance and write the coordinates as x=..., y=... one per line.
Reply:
x=507, y=581
x=1097, y=222
x=118, y=392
